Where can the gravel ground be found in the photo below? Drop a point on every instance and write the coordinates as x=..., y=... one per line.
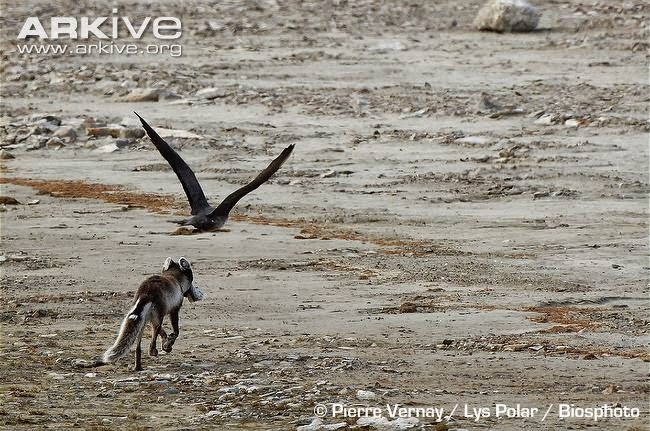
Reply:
x=464, y=220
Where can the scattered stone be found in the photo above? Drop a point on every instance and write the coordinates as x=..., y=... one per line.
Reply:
x=334, y=427
x=58, y=376
x=130, y=121
x=227, y=396
x=36, y=143
x=408, y=307
x=182, y=102
x=132, y=132
x=379, y=422
x=546, y=120
x=113, y=132
x=365, y=395
x=575, y=122
x=34, y=202
x=473, y=140
x=168, y=95
x=210, y=93
x=6, y=155
x=417, y=114
x=45, y=119
x=315, y=425
x=507, y=16
x=121, y=143
x=386, y=46
x=183, y=231
x=485, y=104
x=182, y=134
x=171, y=390
x=610, y=389
x=7, y=200
x=143, y=95
x=515, y=347
x=404, y=423
x=108, y=148
x=54, y=143
x=65, y=132
x=382, y=423
x=318, y=425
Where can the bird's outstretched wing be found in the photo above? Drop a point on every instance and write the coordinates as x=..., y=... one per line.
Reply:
x=231, y=200
x=188, y=180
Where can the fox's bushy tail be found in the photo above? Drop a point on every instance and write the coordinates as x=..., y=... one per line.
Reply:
x=132, y=326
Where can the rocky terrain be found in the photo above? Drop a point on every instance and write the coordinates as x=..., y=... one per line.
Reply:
x=463, y=222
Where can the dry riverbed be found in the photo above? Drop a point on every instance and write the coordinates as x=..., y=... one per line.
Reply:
x=464, y=220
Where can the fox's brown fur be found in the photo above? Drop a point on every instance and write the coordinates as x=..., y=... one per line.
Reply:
x=157, y=297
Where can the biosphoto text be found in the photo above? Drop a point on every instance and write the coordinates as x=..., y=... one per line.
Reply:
x=102, y=35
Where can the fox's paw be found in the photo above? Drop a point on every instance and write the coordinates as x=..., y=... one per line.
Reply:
x=153, y=352
x=167, y=345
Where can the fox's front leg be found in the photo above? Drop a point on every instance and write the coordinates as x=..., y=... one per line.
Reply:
x=167, y=345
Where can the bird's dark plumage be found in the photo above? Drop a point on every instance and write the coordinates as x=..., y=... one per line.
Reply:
x=204, y=216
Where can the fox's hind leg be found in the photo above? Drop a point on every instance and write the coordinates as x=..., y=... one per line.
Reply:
x=138, y=354
x=156, y=329
x=163, y=335
x=173, y=316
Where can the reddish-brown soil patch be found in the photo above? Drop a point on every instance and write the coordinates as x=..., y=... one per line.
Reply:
x=162, y=204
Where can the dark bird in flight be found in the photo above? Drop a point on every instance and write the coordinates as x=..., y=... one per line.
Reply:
x=204, y=216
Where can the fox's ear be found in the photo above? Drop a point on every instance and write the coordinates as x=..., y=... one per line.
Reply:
x=184, y=264
x=167, y=263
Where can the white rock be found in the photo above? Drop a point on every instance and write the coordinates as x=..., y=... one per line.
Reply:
x=383, y=423
x=129, y=83
x=546, y=120
x=404, y=423
x=172, y=133
x=35, y=143
x=143, y=95
x=373, y=421
x=130, y=121
x=388, y=45
x=334, y=427
x=507, y=16
x=65, y=132
x=572, y=122
x=54, y=142
x=473, y=140
x=109, y=148
x=417, y=114
x=366, y=395
x=209, y=93
x=315, y=425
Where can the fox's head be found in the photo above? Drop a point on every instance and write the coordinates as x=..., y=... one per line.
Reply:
x=186, y=277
